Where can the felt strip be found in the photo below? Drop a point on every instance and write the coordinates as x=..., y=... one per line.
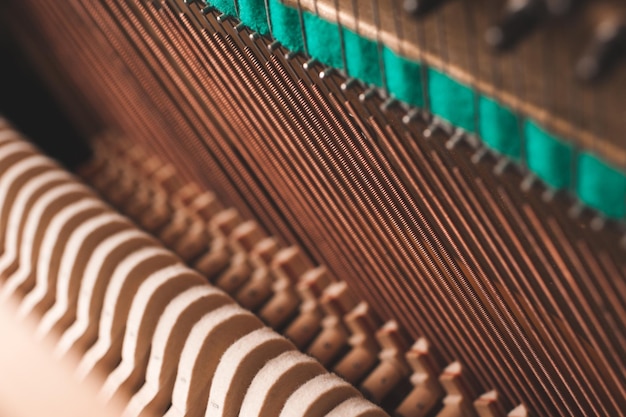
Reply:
x=451, y=100
x=254, y=15
x=362, y=58
x=323, y=40
x=286, y=27
x=227, y=7
x=548, y=157
x=404, y=78
x=598, y=185
x=601, y=186
x=499, y=128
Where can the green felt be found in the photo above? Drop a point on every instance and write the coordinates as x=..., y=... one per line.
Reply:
x=598, y=185
x=404, y=78
x=362, y=58
x=547, y=156
x=323, y=40
x=451, y=100
x=601, y=186
x=227, y=7
x=286, y=26
x=254, y=15
x=499, y=128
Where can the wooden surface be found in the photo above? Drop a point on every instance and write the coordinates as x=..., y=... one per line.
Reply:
x=34, y=383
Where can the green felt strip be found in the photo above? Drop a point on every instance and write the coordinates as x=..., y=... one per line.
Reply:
x=598, y=185
x=547, y=156
x=404, y=78
x=323, y=40
x=254, y=15
x=451, y=100
x=286, y=26
x=225, y=6
x=499, y=128
x=362, y=58
x=601, y=186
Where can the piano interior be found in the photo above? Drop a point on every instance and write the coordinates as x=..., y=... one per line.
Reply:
x=286, y=208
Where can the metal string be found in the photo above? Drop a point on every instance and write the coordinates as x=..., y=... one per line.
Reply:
x=471, y=49
x=379, y=46
x=302, y=30
x=269, y=19
x=421, y=45
x=344, y=60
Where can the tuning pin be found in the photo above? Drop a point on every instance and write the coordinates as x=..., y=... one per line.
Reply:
x=520, y=18
x=421, y=7
x=606, y=49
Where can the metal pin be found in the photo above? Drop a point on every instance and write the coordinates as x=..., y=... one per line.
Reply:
x=598, y=223
x=457, y=137
x=222, y=18
x=367, y=94
x=348, y=83
x=479, y=155
x=327, y=72
x=273, y=46
x=576, y=210
x=291, y=55
x=431, y=129
x=548, y=194
x=302, y=29
x=528, y=181
x=410, y=116
x=254, y=36
x=309, y=64
x=501, y=166
x=472, y=140
x=388, y=103
x=239, y=26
